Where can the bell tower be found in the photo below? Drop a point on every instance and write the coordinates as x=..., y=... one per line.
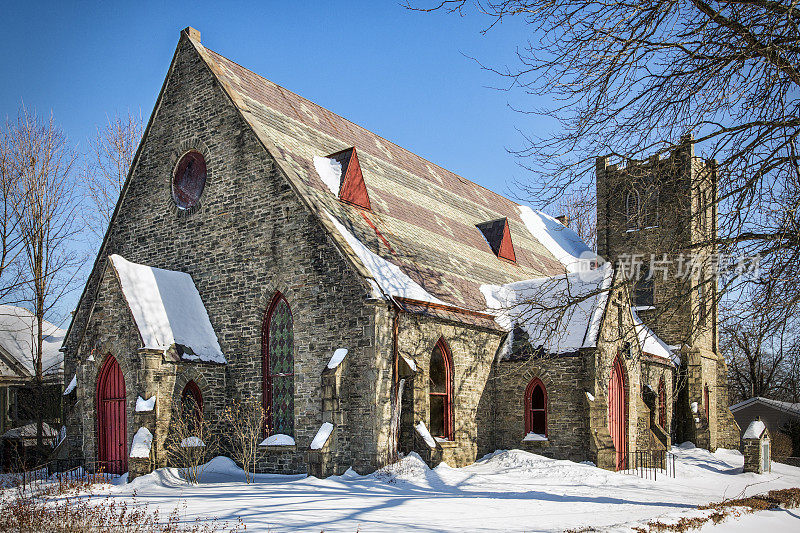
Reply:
x=657, y=220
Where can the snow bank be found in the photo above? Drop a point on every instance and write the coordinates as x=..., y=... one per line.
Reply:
x=754, y=430
x=142, y=405
x=192, y=442
x=537, y=306
x=167, y=310
x=425, y=434
x=534, y=437
x=142, y=441
x=649, y=341
x=322, y=436
x=18, y=328
x=72, y=384
x=338, y=357
x=390, y=278
x=330, y=172
x=278, y=439
x=562, y=242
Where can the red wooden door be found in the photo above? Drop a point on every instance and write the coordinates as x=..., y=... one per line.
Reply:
x=618, y=414
x=111, y=424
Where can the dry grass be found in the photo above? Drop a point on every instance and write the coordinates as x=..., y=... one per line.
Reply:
x=785, y=498
x=67, y=508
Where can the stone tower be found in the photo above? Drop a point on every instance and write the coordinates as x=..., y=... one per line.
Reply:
x=656, y=220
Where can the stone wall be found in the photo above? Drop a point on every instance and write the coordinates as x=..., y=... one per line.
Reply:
x=473, y=350
x=249, y=238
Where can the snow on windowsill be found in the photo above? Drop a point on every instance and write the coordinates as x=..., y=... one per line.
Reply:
x=72, y=384
x=638, y=308
x=425, y=434
x=445, y=443
x=143, y=406
x=278, y=439
x=632, y=230
x=535, y=437
x=142, y=441
x=192, y=442
x=338, y=357
x=322, y=436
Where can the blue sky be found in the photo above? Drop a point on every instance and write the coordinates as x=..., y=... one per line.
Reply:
x=401, y=74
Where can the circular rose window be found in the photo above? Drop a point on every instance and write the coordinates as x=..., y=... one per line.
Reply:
x=189, y=179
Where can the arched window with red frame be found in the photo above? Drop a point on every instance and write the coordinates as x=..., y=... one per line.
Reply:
x=662, y=403
x=277, y=345
x=536, y=408
x=192, y=405
x=706, y=400
x=440, y=382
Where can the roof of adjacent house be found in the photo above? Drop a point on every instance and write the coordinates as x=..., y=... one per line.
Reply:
x=17, y=341
x=786, y=407
x=422, y=219
x=167, y=310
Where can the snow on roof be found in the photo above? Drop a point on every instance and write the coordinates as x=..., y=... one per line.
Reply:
x=143, y=406
x=322, y=436
x=168, y=310
x=754, y=430
x=389, y=277
x=330, y=171
x=537, y=306
x=559, y=240
x=142, y=441
x=17, y=340
x=649, y=341
x=337, y=358
x=72, y=384
x=425, y=434
x=788, y=407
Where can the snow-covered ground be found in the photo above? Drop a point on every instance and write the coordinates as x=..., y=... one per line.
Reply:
x=505, y=491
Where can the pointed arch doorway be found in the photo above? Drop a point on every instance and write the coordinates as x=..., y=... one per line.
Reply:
x=112, y=451
x=618, y=414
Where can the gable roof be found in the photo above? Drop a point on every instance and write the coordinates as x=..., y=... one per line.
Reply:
x=560, y=314
x=785, y=407
x=167, y=310
x=422, y=219
x=17, y=331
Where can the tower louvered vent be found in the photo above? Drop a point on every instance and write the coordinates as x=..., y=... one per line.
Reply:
x=352, y=188
x=498, y=235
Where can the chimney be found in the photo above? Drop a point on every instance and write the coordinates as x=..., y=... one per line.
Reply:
x=564, y=219
x=192, y=33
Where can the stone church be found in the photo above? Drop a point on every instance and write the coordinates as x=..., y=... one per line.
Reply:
x=375, y=303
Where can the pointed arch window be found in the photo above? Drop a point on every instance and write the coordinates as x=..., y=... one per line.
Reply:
x=278, y=367
x=189, y=180
x=440, y=382
x=192, y=405
x=632, y=208
x=536, y=408
x=662, y=404
x=706, y=400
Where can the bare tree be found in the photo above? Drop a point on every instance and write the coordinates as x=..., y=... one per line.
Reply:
x=10, y=239
x=763, y=355
x=578, y=209
x=246, y=424
x=630, y=79
x=191, y=441
x=109, y=158
x=45, y=222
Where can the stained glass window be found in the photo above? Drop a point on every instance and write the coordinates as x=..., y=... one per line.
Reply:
x=280, y=364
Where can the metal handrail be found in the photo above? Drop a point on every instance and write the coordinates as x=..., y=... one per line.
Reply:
x=648, y=464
